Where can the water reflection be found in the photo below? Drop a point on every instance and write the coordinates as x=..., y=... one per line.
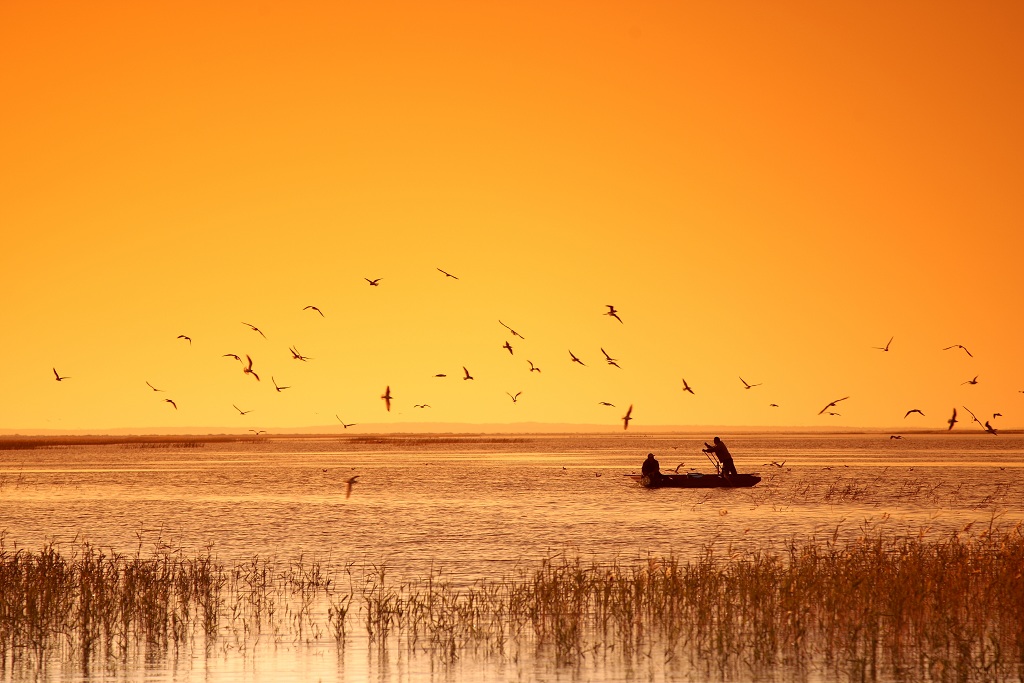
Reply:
x=459, y=511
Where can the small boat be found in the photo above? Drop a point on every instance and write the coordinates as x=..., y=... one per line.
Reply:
x=695, y=480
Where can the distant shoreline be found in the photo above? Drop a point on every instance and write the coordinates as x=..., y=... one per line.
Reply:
x=464, y=429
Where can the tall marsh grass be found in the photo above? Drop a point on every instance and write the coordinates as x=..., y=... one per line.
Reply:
x=874, y=608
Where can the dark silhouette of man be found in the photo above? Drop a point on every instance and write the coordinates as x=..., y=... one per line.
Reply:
x=723, y=455
x=651, y=469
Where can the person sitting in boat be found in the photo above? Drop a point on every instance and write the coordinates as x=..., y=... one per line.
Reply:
x=651, y=468
x=723, y=455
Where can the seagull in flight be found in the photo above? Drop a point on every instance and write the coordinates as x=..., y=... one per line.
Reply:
x=233, y=355
x=514, y=398
x=773, y=405
x=989, y=429
x=626, y=418
x=422, y=405
x=387, y=397
x=913, y=410
x=447, y=274
x=440, y=374
x=514, y=333
x=348, y=485
x=167, y=400
x=974, y=417
x=240, y=411
x=995, y=415
x=468, y=376
x=952, y=421
x=613, y=313
x=606, y=403
x=533, y=368
x=686, y=387
x=971, y=381
x=346, y=426
x=296, y=355
x=832, y=405
x=59, y=378
x=152, y=387
x=896, y=436
x=373, y=283
x=508, y=346
x=186, y=338
x=959, y=346
x=248, y=368
x=314, y=308
x=611, y=361
x=575, y=359
x=886, y=347
x=279, y=389
x=747, y=385
x=255, y=329
x=257, y=432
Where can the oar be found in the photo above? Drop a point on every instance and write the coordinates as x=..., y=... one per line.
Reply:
x=713, y=461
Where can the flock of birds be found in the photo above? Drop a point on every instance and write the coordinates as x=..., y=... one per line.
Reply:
x=247, y=368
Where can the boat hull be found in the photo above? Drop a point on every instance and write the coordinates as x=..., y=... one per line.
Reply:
x=696, y=481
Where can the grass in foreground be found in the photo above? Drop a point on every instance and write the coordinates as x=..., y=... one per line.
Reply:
x=874, y=608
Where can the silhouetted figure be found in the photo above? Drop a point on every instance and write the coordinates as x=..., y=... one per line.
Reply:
x=723, y=455
x=651, y=468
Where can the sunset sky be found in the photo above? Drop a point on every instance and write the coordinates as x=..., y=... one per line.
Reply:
x=762, y=190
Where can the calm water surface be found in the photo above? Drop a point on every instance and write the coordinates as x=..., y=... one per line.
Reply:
x=477, y=507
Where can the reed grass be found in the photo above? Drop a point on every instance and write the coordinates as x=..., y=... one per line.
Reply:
x=874, y=608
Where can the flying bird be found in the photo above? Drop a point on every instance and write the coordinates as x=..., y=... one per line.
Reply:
x=686, y=387
x=952, y=421
x=298, y=356
x=348, y=485
x=971, y=381
x=626, y=418
x=440, y=374
x=959, y=346
x=59, y=378
x=773, y=405
x=186, y=338
x=747, y=385
x=995, y=415
x=447, y=274
x=613, y=313
x=834, y=414
x=233, y=355
x=575, y=359
x=989, y=428
x=248, y=368
x=167, y=400
x=346, y=426
x=152, y=387
x=467, y=375
x=533, y=368
x=279, y=389
x=240, y=411
x=606, y=403
x=257, y=432
x=896, y=436
x=421, y=405
x=832, y=404
x=913, y=410
x=373, y=283
x=974, y=418
x=514, y=333
x=886, y=347
x=314, y=308
x=508, y=346
x=387, y=397
x=255, y=329
x=611, y=361
x=514, y=398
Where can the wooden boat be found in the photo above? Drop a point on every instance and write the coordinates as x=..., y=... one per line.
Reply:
x=696, y=480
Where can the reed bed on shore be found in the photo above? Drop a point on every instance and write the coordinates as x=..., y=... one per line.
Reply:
x=874, y=608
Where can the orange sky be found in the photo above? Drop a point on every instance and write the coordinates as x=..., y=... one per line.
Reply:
x=765, y=190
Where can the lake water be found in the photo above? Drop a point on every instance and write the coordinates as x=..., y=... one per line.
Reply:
x=471, y=507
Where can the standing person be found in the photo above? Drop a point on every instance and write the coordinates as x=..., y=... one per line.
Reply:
x=651, y=468
x=723, y=455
